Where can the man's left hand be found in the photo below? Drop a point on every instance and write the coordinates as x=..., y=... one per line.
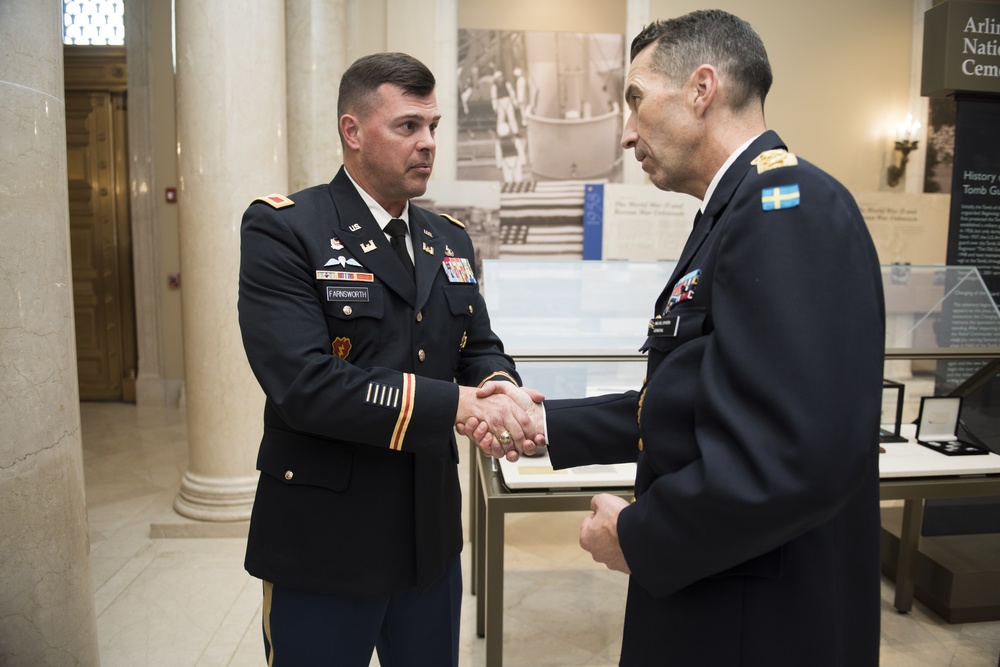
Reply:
x=599, y=532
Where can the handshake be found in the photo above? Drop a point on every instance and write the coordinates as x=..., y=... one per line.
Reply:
x=502, y=419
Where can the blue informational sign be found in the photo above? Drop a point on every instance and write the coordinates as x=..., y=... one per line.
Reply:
x=593, y=221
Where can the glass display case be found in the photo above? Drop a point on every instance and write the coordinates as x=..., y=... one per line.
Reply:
x=943, y=339
x=575, y=327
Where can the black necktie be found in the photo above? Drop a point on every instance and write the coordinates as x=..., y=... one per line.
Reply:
x=396, y=229
x=697, y=218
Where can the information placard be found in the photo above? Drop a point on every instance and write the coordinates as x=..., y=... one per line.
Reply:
x=906, y=228
x=643, y=223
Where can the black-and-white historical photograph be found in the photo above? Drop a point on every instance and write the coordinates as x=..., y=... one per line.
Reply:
x=540, y=113
x=940, y=145
x=539, y=105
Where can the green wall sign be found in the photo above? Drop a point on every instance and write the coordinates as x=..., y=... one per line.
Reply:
x=961, y=49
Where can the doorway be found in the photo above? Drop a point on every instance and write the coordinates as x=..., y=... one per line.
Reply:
x=100, y=230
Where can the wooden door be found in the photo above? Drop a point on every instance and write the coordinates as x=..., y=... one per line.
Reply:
x=100, y=235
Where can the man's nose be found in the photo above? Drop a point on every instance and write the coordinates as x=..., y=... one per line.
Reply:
x=426, y=140
x=629, y=135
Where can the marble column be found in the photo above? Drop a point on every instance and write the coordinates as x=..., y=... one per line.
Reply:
x=232, y=147
x=321, y=42
x=146, y=265
x=47, y=613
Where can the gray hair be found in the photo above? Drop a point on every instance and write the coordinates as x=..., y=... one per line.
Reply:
x=711, y=37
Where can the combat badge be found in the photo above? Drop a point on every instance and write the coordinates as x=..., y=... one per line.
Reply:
x=773, y=159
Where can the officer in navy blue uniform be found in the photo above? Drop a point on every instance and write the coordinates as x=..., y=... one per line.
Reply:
x=369, y=349
x=753, y=538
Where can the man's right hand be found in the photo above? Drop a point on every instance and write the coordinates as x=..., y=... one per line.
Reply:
x=486, y=428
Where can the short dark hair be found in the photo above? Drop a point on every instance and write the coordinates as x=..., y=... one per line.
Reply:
x=712, y=37
x=367, y=73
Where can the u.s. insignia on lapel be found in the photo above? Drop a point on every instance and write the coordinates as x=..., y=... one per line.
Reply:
x=355, y=227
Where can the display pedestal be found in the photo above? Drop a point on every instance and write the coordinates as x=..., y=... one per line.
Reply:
x=956, y=576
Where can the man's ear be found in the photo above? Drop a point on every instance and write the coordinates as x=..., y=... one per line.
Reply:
x=705, y=86
x=350, y=129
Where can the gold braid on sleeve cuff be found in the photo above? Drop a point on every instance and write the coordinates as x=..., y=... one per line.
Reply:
x=500, y=374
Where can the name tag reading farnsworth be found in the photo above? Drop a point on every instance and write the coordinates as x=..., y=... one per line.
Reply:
x=346, y=293
x=664, y=326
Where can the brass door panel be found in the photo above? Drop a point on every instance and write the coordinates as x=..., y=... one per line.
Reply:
x=100, y=228
x=100, y=238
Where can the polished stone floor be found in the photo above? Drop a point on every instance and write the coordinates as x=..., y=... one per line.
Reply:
x=166, y=596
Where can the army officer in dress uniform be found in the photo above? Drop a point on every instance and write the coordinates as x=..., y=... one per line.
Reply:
x=359, y=311
x=754, y=536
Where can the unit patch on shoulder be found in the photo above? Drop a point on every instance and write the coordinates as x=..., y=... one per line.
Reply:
x=773, y=159
x=453, y=220
x=277, y=201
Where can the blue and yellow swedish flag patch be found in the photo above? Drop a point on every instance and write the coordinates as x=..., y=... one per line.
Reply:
x=784, y=196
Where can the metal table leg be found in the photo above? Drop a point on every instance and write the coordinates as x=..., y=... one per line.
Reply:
x=493, y=589
x=909, y=543
x=479, y=558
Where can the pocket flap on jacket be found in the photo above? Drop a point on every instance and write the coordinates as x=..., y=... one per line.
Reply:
x=295, y=458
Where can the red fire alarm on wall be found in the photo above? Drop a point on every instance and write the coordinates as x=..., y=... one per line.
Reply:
x=171, y=195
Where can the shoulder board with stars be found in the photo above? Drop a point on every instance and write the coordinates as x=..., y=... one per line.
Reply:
x=453, y=220
x=774, y=159
x=277, y=201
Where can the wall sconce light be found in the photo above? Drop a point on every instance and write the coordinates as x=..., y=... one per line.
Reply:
x=906, y=143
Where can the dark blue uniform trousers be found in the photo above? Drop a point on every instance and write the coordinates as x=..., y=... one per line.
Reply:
x=408, y=629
